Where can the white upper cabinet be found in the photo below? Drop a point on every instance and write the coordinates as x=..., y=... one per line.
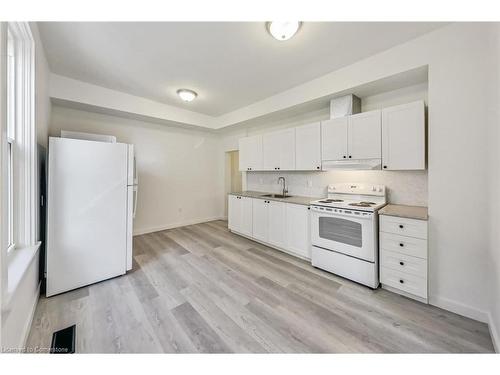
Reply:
x=403, y=137
x=364, y=136
x=271, y=148
x=334, y=138
x=395, y=134
x=251, y=153
x=308, y=147
x=352, y=137
x=279, y=150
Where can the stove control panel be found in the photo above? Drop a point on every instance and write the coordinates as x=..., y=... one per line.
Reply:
x=355, y=188
x=340, y=211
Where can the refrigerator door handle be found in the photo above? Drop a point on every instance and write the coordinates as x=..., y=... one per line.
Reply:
x=136, y=177
x=136, y=188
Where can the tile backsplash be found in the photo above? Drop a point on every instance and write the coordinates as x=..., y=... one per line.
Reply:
x=403, y=187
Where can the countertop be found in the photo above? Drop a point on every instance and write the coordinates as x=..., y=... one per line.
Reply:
x=410, y=212
x=295, y=199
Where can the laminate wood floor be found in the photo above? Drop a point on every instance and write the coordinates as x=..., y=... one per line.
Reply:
x=203, y=289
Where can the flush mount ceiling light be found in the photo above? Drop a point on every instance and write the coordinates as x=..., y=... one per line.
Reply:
x=187, y=95
x=283, y=30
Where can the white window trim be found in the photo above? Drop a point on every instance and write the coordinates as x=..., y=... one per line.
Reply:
x=15, y=262
x=25, y=138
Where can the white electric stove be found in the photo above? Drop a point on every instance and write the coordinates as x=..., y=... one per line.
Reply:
x=344, y=231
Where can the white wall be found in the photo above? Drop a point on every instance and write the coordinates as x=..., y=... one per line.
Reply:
x=17, y=316
x=181, y=172
x=494, y=212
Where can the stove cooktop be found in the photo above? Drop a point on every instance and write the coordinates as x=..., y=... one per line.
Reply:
x=363, y=205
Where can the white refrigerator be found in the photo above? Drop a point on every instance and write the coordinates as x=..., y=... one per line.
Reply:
x=91, y=203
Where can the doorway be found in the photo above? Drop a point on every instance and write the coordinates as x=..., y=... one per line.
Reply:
x=233, y=175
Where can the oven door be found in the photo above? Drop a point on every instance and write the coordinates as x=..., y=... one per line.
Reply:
x=345, y=233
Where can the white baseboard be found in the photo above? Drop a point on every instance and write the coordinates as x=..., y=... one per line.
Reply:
x=27, y=328
x=495, y=334
x=459, y=308
x=176, y=225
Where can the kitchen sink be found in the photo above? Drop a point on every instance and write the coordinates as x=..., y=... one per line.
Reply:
x=276, y=196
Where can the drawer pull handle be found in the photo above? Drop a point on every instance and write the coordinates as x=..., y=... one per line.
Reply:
x=402, y=281
x=402, y=263
x=401, y=244
x=401, y=226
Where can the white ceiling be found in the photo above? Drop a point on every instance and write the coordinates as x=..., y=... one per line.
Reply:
x=229, y=64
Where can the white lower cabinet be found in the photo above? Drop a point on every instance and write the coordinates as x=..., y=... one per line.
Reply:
x=260, y=217
x=240, y=214
x=277, y=223
x=298, y=230
x=233, y=212
x=282, y=225
x=403, y=256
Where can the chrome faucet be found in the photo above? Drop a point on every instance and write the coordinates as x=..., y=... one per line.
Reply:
x=285, y=191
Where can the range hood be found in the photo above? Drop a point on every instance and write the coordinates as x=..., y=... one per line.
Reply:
x=350, y=164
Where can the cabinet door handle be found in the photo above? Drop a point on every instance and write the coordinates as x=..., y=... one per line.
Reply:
x=401, y=281
x=401, y=244
x=350, y=156
x=344, y=156
x=317, y=167
x=401, y=226
x=385, y=166
x=402, y=263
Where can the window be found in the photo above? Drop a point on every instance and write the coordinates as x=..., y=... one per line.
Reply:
x=11, y=126
x=19, y=167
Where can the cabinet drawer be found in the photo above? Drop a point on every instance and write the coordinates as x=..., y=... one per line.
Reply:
x=403, y=263
x=402, y=244
x=403, y=226
x=403, y=281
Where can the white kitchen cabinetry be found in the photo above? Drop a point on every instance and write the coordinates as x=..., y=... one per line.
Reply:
x=282, y=225
x=308, y=147
x=352, y=137
x=233, y=212
x=279, y=150
x=277, y=223
x=403, y=256
x=364, y=136
x=260, y=219
x=403, y=137
x=298, y=230
x=246, y=216
x=250, y=153
x=334, y=138
x=240, y=214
